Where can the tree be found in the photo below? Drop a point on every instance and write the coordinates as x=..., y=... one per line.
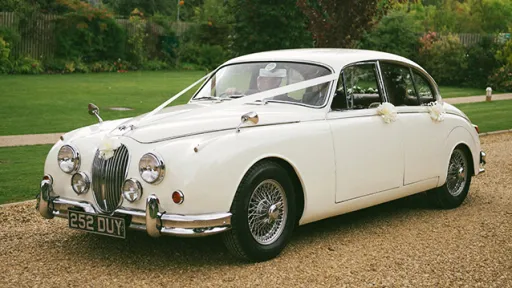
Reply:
x=335, y=23
x=397, y=33
x=267, y=25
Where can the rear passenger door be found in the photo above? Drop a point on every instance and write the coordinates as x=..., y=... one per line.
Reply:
x=409, y=90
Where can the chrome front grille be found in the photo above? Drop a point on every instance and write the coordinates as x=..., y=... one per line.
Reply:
x=108, y=177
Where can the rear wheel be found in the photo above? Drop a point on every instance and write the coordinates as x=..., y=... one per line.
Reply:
x=263, y=213
x=455, y=190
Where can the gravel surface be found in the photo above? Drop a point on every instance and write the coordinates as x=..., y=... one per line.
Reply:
x=400, y=244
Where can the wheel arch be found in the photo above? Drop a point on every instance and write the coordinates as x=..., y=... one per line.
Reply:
x=294, y=175
x=459, y=137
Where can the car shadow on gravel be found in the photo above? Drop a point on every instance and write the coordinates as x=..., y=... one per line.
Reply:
x=139, y=250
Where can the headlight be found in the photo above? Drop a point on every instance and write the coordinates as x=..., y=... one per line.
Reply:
x=80, y=183
x=68, y=159
x=151, y=168
x=132, y=190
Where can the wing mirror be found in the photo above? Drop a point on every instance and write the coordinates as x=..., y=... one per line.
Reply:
x=251, y=117
x=94, y=110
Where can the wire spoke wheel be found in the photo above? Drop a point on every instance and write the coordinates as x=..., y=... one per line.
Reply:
x=268, y=209
x=457, y=173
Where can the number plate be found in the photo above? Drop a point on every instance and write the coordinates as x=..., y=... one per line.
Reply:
x=99, y=224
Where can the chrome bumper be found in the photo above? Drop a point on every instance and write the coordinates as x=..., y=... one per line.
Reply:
x=154, y=222
x=481, y=168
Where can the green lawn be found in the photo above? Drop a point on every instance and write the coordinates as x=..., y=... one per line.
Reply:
x=451, y=92
x=489, y=116
x=58, y=103
x=21, y=170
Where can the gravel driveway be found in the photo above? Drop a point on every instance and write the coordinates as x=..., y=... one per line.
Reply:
x=403, y=243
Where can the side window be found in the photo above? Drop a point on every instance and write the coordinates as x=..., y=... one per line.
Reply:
x=424, y=89
x=362, y=88
x=399, y=85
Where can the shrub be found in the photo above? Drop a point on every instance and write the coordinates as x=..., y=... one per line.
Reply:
x=501, y=79
x=5, y=51
x=52, y=66
x=204, y=56
x=90, y=33
x=444, y=57
x=10, y=35
x=155, y=65
x=481, y=61
x=136, y=51
x=26, y=65
x=102, y=66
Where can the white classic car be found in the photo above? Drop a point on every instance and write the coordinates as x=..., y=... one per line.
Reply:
x=269, y=141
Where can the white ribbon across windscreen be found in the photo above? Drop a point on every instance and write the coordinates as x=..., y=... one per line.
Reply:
x=251, y=98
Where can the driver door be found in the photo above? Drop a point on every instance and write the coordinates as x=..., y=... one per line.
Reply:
x=368, y=152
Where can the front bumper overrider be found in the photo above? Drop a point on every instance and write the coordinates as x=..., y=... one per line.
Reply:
x=152, y=220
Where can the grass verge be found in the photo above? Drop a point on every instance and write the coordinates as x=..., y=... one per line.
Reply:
x=21, y=169
x=489, y=116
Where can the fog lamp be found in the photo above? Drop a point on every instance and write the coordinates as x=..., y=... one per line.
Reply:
x=80, y=183
x=132, y=190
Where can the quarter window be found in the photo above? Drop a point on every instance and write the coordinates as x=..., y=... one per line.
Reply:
x=424, y=89
x=399, y=85
x=358, y=88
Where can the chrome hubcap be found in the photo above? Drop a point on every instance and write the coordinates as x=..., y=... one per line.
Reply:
x=268, y=209
x=457, y=168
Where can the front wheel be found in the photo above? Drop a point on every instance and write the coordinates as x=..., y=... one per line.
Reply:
x=263, y=213
x=458, y=180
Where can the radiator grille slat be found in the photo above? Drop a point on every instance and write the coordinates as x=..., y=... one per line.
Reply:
x=108, y=177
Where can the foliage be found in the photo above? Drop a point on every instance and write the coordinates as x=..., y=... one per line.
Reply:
x=470, y=16
x=501, y=79
x=336, y=23
x=481, y=62
x=5, y=51
x=213, y=12
x=125, y=7
x=505, y=55
x=26, y=65
x=262, y=25
x=444, y=57
x=136, y=51
x=88, y=32
x=204, y=56
x=10, y=35
x=155, y=65
x=396, y=33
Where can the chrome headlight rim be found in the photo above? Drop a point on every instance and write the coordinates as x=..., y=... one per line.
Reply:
x=75, y=159
x=86, y=179
x=159, y=164
x=136, y=183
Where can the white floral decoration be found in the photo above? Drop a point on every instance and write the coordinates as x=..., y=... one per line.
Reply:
x=108, y=146
x=436, y=111
x=387, y=111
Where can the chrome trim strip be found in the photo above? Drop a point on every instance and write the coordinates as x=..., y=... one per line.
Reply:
x=212, y=131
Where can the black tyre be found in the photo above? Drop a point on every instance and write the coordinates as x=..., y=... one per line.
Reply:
x=455, y=190
x=263, y=213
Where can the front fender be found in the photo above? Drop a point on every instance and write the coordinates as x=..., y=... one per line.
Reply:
x=210, y=177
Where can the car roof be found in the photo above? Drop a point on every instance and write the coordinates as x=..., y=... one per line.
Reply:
x=335, y=58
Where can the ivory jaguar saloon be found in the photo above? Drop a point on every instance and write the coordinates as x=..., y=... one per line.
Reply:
x=269, y=141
